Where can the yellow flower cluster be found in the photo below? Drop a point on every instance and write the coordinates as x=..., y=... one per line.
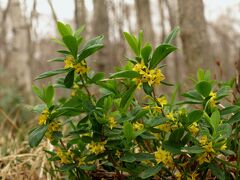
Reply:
x=163, y=156
x=193, y=128
x=112, y=122
x=212, y=100
x=166, y=127
x=153, y=76
x=170, y=116
x=81, y=161
x=64, y=156
x=42, y=119
x=208, y=147
x=138, y=126
x=162, y=100
x=80, y=68
x=52, y=127
x=118, y=154
x=97, y=147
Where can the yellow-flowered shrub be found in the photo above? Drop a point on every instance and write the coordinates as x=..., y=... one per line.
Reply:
x=102, y=128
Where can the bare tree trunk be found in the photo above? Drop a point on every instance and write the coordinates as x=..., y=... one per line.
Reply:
x=3, y=33
x=19, y=57
x=144, y=18
x=101, y=26
x=162, y=21
x=196, y=44
x=80, y=13
x=53, y=11
x=178, y=56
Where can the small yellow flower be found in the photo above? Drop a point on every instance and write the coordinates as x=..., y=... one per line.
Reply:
x=149, y=76
x=65, y=159
x=178, y=175
x=170, y=116
x=162, y=100
x=81, y=161
x=203, y=140
x=138, y=126
x=53, y=126
x=146, y=108
x=69, y=61
x=212, y=100
x=156, y=109
x=205, y=157
x=112, y=122
x=140, y=67
x=166, y=127
x=194, y=176
x=163, y=156
x=81, y=68
x=118, y=153
x=97, y=147
x=223, y=147
x=208, y=147
x=42, y=119
x=193, y=128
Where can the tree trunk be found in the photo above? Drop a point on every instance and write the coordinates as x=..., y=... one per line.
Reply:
x=19, y=57
x=80, y=13
x=196, y=45
x=100, y=27
x=144, y=19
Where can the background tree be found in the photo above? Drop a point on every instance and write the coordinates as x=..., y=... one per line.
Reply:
x=196, y=46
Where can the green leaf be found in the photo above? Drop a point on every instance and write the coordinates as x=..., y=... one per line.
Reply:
x=140, y=39
x=71, y=44
x=38, y=92
x=36, y=135
x=215, y=119
x=63, y=29
x=97, y=77
x=172, y=35
x=146, y=53
x=69, y=79
x=192, y=149
x=51, y=73
x=94, y=41
x=125, y=74
x=150, y=171
x=235, y=118
x=194, y=116
x=78, y=32
x=204, y=88
x=128, y=158
x=160, y=53
x=128, y=131
x=229, y=110
x=132, y=42
x=217, y=171
x=147, y=89
x=48, y=95
x=56, y=60
x=91, y=167
x=127, y=97
x=176, y=136
x=89, y=51
x=193, y=95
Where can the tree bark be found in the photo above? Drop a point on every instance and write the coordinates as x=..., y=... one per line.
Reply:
x=196, y=44
x=144, y=19
x=19, y=57
x=100, y=26
x=80, y=13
